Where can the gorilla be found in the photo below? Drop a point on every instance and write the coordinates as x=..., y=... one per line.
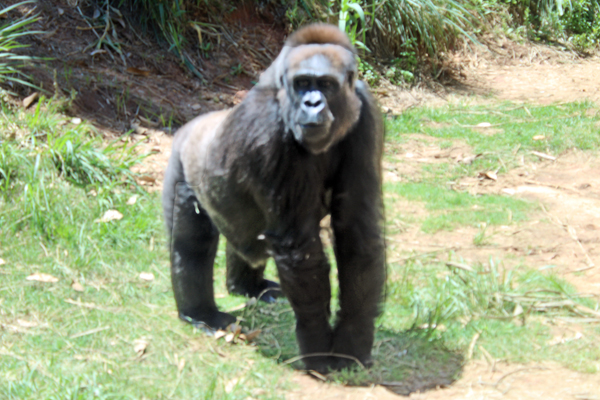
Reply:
x=305, y=142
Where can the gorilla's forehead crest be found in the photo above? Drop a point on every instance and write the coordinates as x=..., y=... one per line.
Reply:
x=320, y=34
x=316, y=41
x=336, y=57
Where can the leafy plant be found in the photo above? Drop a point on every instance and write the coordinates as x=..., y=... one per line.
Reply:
x=11, y=63
x=47, y=158
x=368, y=73
x=351, y=16
x=425, y=27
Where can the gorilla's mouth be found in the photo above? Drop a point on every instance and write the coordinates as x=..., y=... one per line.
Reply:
x=315, y=132
x=312, y=125
x=316, y=138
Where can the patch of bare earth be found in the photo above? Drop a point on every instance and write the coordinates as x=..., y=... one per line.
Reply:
x=479, y=380
x=503, y=70
x=562, y=235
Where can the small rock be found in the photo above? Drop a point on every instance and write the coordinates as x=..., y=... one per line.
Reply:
x=147, y=276
x=132, y=200
x=27, y=101
x=76, y=286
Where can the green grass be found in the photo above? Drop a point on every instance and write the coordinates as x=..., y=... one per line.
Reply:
x=449, y=209
x=564, y=126
x=47, y=225
x=58, y=342
x=504, y=145
x=512, y=311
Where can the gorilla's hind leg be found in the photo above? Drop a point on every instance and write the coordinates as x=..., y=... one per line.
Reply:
x=247, y=281
x=194, y=241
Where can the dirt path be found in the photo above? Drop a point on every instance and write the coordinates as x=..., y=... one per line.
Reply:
x=544, y=83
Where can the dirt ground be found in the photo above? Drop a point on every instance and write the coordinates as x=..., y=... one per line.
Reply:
x=117, y=96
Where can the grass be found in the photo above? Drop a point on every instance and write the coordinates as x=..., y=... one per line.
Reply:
x=449, y=209
x=563, y=126
x=509, y=310
x=511, y=134
x=101, y=331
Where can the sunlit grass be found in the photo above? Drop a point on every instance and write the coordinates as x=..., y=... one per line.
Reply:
x=449, y=209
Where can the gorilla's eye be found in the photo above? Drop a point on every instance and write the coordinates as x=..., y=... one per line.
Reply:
x=327, y=85
x=302, y=83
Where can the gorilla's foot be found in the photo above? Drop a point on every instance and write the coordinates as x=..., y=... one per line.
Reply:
x=266, y=290
x=340, y=361
x=334, y=362
x=321, y=364
x=209, y=320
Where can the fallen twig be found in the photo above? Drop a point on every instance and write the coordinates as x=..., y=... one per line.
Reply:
x=499, y=381
x=544, y=155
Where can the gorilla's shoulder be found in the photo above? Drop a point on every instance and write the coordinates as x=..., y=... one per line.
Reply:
x=260, y=102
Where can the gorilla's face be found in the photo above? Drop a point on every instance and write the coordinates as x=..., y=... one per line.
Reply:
x=319, y=83
x=313, y=116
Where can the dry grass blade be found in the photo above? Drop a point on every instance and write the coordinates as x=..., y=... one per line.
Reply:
x=86, y=305
x=464, y=267
x=503, y=377
x=472, y=346
x=90, y=332
x=543, y=155
x=41, y=277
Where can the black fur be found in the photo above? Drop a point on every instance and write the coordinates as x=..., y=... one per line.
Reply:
x=251, y=180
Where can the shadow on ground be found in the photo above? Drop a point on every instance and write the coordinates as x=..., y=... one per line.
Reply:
x=404, y=361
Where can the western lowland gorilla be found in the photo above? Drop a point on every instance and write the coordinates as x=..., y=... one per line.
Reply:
x=305, y=142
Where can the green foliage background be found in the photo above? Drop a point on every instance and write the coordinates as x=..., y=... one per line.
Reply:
x=393, y=31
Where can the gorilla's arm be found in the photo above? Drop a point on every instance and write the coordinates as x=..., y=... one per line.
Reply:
x=357, y=221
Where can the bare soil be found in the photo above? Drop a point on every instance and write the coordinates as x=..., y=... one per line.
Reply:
x=478, y=381
x=119, y=95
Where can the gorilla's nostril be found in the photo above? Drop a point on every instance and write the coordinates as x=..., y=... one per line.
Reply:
x=310, y=103
x=313, y=99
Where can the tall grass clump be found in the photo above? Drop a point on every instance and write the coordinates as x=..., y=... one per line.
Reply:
x=10, y=62
x=48, y=167
x=166, y=19
x=423, y=27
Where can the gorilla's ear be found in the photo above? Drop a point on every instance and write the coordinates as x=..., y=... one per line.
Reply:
x=272, y=77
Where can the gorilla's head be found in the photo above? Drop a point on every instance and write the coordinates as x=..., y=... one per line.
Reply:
x=319, y=80
x=316, y=82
